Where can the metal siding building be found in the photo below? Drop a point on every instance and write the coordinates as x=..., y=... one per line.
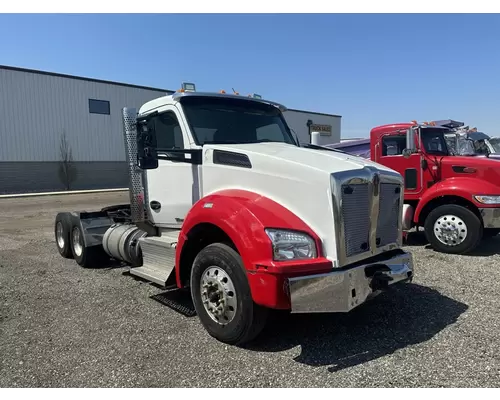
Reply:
x=302, y=123
x=37, y=108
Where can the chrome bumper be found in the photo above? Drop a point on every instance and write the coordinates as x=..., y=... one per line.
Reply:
x=341, y=291
x=491, y=217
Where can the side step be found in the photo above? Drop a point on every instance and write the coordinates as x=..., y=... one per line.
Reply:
x=158, y=254
x=178, y=300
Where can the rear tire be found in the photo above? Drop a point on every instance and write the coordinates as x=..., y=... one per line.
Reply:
x=218, y=277
x=62, y=229
x=453, y=229
x=86, y=257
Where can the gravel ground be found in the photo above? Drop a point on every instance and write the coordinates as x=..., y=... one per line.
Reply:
x=62, y=326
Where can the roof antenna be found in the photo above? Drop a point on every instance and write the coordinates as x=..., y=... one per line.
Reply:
x=235, y=92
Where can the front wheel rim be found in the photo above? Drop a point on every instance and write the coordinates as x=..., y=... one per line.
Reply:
x=77, y=242
x=450, y=230
x=218, y=295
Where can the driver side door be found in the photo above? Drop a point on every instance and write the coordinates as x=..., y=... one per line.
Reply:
x=173, y=187
x=391, y=155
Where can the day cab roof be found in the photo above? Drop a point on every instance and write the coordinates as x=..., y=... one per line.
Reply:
x=399, y=126
x=403, y=126
x=159, y=102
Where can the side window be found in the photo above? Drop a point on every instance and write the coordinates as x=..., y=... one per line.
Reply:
x=168, y=131
x=393, y=145
x=270, y=132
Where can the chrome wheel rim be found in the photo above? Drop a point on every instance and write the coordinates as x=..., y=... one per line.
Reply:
x=218, y=295
x=450, y=230
x=60, y=235
x=77, y=243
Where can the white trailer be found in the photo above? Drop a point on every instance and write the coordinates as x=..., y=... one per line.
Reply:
x=226, y=204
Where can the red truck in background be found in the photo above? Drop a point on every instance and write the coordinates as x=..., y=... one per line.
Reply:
x=456, y=199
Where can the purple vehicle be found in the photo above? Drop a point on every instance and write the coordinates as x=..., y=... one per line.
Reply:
x=357, y=147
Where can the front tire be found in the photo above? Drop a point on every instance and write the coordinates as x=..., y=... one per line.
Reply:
x=453, y=229
x=222, y=298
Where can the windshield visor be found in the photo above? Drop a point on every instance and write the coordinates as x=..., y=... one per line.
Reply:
x=218, y=120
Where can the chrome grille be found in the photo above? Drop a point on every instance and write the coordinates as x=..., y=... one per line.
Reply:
x=388, y=214
x=355, y=210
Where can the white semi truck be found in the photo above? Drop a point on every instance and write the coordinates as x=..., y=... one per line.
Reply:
x=226, y=205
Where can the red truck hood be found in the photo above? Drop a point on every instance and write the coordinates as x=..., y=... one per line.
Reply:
x=481, y=168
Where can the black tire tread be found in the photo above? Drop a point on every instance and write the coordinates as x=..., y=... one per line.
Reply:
x=254, y=316
x=91, y=257
x=65, y=219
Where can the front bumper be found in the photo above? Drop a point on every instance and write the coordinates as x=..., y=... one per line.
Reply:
x=491, y=217
x=341, y=291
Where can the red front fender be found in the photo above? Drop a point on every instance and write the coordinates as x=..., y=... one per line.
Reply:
x=243, y=216
x=465, y=187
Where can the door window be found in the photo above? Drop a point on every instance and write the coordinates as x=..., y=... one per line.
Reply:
x=168, y=131
x=393, y=145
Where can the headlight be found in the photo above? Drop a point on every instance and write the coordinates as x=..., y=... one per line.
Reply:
x=289, y=245
x=488, y=199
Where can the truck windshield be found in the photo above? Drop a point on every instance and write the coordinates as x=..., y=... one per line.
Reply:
x=495, y=144
x=434, y=142
x=218, y=120
x=465, y=146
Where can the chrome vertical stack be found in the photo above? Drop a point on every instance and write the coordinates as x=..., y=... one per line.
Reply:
x=136, y=186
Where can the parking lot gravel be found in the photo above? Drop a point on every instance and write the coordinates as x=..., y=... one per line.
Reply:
x=64, y=326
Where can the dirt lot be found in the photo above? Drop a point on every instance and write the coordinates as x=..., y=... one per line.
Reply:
x=61, y=325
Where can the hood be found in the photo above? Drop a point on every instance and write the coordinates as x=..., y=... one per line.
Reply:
x=480, y=161
x=295, y=177
x=487, y=169
x=320, y=160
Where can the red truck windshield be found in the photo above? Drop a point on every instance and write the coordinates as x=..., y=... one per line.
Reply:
x=218, y=120
x=495, y=143
x=433, y=141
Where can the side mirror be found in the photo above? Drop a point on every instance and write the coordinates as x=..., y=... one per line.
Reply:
x=410, y=140
x=146, y=145
x=407, y=153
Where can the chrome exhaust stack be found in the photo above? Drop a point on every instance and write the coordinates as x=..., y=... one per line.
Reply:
x=136, y=177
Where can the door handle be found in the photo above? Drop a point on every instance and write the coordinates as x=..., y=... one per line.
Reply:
x=155, y=205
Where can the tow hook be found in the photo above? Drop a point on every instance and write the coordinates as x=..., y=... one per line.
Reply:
x=380, y=281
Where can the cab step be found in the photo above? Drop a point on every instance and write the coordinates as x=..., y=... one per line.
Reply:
x=158, y=255
x=178, y=300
